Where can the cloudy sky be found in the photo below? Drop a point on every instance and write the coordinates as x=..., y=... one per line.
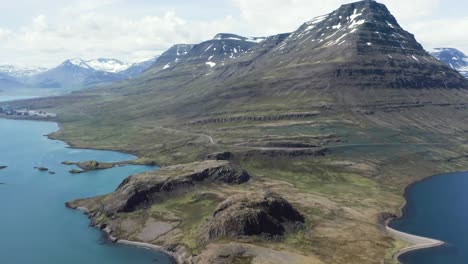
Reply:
x=46, y=32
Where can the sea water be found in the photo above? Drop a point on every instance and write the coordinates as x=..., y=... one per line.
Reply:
x=35, y=225
x=437, y=208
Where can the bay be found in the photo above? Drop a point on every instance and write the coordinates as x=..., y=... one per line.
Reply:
x=35, y=225
x=437, y=208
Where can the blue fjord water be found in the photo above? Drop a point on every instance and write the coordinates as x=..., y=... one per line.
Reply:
x=437, y=208
x=35, y=226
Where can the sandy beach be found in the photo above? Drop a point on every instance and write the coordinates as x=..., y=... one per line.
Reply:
x=416, y=242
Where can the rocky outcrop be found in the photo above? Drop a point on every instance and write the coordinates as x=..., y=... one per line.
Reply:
x=251, y=214
x=94, y=165
x=287, y=116
x=91, y=165
x=281, y=152
x=220, y=156
x=75, y=171
x=142, y=190
x=41, y=168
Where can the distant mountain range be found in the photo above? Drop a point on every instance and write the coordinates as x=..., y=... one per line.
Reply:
x=72, y=74
x=452, y=57
x=335, y=34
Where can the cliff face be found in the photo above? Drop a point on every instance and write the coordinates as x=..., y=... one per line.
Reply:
x=251, y=214
x=143, y=190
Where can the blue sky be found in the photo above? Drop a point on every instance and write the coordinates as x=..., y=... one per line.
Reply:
x=46, y=32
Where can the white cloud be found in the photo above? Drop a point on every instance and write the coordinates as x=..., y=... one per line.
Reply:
x=91, y=35
x=450, y=32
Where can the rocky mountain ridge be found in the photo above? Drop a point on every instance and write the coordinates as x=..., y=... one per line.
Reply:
x=73, y=74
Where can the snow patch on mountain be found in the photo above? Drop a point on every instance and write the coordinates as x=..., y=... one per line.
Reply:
x=20, y=72
x=108, y=65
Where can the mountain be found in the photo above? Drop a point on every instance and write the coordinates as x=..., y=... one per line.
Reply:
x=452, y=57
x=107, y=65
x=74, y=74
x=223, y=47
x=337, y=117
x=19, y=72
x=139, y=67
x=8, y=82
x=360, y=44
x=15, y=77
x=170, y=57
x=217, y=51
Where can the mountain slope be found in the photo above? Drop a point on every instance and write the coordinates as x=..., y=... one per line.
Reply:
x=137, y=68
x=452, y=57
x=170, y=57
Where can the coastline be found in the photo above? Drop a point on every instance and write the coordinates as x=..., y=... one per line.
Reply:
x=175, y=258
x=417, y=242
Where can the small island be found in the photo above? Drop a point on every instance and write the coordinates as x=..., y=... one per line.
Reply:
x=41, y=168
x=76, y=171
x=96, y=165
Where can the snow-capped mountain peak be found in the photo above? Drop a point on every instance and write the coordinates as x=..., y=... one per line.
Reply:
x=77, y=62
x=456, y=59
x=101, y=64
x=108, y=65
x=20, y=72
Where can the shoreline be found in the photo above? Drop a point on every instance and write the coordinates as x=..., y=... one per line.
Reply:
x=174, y=257
x=417, y=242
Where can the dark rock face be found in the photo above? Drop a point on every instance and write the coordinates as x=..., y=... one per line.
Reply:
x=144, y=189
x=170, y=58
x=221, y=48
x=288, y=116
x=251, y=214
x=220, y=156
x=359, y=45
